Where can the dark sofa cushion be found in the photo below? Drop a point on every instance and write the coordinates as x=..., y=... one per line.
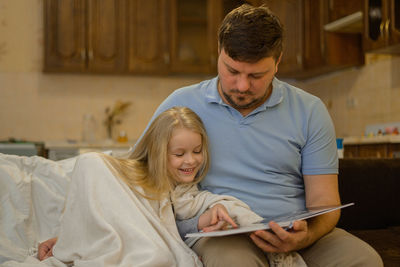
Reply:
x=374, y=186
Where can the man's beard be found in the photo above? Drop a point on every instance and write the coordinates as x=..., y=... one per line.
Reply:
x=251, y=104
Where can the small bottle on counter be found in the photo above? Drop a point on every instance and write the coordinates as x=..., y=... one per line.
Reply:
x=122, y=137
x=340, y=149
x=89, y=128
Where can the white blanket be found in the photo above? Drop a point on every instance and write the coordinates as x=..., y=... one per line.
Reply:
x=32, y=196
x=104, y=222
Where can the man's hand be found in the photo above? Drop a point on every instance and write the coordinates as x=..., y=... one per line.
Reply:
x=281, y=240
x=321, y=190
x=45, y=249
x=215, y=218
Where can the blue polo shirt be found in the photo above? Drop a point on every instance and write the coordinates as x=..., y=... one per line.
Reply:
x=261, y=158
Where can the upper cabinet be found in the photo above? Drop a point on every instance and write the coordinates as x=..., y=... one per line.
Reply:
x=193, y=32
x=180, y=36
x=310, y=49
x=148, y=36
x=382, y=26
x=65, y=31
x=106, y=38
x=133, y=36
x=85, y=36
x=291, y=15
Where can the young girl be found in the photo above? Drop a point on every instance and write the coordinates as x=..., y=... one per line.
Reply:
x=122, y=212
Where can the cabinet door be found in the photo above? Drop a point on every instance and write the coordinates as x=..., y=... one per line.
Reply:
x=290, y=14
x=374, y=22
x=148, y=36
x=107, y=33
x=341, y=8
x=64, y=35
x=193, y=35
x=382, y=25
x=394, y=25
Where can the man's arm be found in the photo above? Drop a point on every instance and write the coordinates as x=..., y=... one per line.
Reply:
x=320, y=190
x=187, y=226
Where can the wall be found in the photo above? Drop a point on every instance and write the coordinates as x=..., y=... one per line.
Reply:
x=38, y=106
x=361, y=96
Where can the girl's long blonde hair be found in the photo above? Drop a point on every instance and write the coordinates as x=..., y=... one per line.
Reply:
x=146, y=166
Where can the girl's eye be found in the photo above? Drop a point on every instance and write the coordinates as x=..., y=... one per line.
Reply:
x=197, y=152
x=179, y=155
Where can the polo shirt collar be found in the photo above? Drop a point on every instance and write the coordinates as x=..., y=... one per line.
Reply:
x=276, y=97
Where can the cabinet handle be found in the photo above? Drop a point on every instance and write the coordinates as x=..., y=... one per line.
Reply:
x=299, y=59
x=381, y=28
x=166, y=58
x=83, y=54
x=90, y=54
x=212, y=60
x=387, y=22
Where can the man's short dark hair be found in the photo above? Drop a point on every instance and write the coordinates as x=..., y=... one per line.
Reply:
x=250, y=34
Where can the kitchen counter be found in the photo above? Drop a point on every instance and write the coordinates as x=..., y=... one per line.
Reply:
x=385, y=146
x=371, y=140
x=58, y=150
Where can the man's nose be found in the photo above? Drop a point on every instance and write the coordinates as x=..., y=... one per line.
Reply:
x=243, y=83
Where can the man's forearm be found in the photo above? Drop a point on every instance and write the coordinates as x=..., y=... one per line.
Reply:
x=187, y=226
x=321, y=225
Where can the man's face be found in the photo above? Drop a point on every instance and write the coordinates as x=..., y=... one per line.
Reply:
x=243, y=85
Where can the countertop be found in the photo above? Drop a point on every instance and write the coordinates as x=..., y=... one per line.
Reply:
x=105, y=144
x=354, y=140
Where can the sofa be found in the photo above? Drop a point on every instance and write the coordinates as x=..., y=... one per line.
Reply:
x=374, y=186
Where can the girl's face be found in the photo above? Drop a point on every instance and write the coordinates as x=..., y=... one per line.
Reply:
x=185, y=155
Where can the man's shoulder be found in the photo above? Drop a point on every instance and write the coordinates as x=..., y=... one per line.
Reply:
x=197, y=88
x=190, y=96
x=299, y=95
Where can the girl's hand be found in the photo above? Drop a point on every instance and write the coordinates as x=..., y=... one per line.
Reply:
x=45, y=249
x=215, y=218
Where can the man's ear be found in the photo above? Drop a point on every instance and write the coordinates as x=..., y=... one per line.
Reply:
x=277, y=62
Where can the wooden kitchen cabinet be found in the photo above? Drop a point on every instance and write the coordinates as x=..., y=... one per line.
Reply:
x=134, y=36
x=173, y=36
x=291, y=14
x=148, y=36
x=65, y=31
x=193, y=32
x=309, y=49
x=304, y=38
x=85, y=35
x=338, y=9
x=180, y=36
x=106, y=41
x=382, y=26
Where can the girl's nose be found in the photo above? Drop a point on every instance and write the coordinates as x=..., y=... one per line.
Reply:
x=189, y=158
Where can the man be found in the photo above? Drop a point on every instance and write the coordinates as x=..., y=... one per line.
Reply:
x=272, y=145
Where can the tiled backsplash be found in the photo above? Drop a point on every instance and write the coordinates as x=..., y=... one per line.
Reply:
x=38, y=106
